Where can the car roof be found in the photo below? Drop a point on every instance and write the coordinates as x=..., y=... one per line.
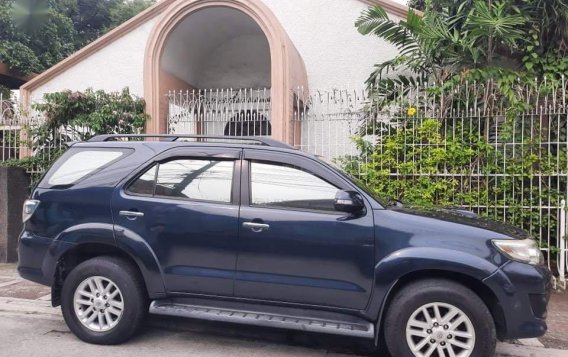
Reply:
x=166, y=142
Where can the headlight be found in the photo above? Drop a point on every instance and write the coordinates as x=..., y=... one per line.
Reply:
x=524, y=251
x=29, y=209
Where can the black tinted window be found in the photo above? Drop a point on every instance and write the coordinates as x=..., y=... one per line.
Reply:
x=208, y=180
x=144, y=185
x=289, y=187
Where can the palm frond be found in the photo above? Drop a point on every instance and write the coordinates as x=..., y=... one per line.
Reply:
x=388, y=90
x=383, y=68
x=375, y=21
x=497, y=21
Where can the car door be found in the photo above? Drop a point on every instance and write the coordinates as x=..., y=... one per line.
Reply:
x=293, y=246
x=184, y=206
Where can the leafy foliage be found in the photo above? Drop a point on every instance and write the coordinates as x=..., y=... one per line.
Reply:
x=549, y=20
x=30, y=46
x=470, y=40
x=36, y=34
x=17, y=55
x=470, y=65
x=548, y=17
x=84, y=114
x=126, y=10
x=425, y=164
x=5, y=92
x=92, y=18
x=77, y=116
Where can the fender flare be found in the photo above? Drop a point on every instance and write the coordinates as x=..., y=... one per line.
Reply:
x=391, y=269
x=129, y=243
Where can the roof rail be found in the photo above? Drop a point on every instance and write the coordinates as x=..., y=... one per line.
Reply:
x=174, y=137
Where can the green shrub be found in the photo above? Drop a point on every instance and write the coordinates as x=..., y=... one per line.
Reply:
x=77, y=116
x=92, y=113
x=428, y=163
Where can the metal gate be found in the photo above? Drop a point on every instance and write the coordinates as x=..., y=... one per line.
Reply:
x=10, y=129
x=228, y=112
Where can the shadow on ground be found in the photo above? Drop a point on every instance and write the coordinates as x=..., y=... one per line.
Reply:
x=331, y=343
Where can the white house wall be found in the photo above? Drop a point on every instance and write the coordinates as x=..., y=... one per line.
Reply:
x=334, y=52
x=117, y=65
x=323, y=31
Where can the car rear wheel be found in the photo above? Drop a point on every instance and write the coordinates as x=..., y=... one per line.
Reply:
x=439, y=318
x=104, y=300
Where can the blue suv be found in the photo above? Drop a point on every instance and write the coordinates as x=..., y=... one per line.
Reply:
x=252, y=231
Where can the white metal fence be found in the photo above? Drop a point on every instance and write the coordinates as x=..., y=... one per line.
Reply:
x=20, y=136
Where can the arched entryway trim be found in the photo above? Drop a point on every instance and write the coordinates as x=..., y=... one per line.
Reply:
x=287, y=68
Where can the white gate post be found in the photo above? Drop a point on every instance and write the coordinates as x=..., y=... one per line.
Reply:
x=562, y=245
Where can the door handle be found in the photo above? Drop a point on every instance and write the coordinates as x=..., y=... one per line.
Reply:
x=256, y=227
x=131, y=214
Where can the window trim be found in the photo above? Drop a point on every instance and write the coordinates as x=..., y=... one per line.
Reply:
x=139, y=174
x=157, y=163
x=248, y=194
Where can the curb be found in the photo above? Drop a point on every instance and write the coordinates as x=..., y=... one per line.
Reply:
x=25, y=306
x=513, y=350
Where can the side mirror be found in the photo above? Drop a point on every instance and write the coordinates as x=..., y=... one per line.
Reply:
x=348, y=201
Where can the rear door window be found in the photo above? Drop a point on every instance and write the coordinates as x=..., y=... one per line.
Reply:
x=193, y=179
x=81, y=164
x=204, y=180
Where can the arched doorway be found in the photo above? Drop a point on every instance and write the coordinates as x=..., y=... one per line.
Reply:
x=248, y=122
x=230, y=62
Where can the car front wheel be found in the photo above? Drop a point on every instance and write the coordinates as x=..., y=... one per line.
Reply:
x=104, y=300
x=438, y=318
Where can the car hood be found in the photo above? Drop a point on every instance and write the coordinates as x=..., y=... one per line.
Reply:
x=465, y=217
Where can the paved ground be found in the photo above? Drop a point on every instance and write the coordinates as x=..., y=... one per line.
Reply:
x=557, y=335
x=30, y=327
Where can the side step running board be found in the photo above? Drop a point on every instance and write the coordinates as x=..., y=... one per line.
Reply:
x=360, y=329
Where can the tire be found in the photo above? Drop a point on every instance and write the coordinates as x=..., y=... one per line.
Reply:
x=79, y=300
x=406, y=325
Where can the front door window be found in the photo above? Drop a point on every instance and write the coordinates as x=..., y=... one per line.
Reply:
x=282, y=186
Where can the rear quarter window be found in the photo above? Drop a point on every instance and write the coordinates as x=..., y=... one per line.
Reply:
x=77, y=164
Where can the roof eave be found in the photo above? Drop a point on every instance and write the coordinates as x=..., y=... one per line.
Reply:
x=392, y=7
x=12, y=79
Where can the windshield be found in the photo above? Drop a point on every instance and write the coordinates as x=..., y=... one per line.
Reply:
x=356, y=181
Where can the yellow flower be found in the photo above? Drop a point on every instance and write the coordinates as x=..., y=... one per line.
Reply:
x=411, y=111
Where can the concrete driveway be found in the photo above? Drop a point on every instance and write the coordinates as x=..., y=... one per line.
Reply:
x=29, y=326
x=33, y=328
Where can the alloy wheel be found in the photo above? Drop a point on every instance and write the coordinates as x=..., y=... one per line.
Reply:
x=98, y=303
x=439, y=330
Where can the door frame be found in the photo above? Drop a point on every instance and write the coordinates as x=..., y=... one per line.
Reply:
x=313, y=167
x=200, y=151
